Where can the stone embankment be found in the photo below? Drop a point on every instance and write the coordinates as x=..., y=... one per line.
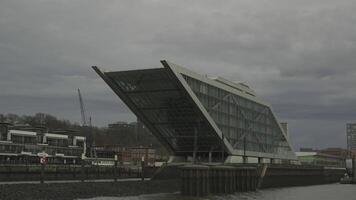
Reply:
x=69, y=191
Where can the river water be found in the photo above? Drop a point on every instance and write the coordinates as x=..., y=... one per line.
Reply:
x=317, y=192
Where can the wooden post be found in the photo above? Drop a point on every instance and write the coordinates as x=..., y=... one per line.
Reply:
x=243, y=180
x=82, y=170
x=143, y=168
x=244, y=159
x=74, y=169
x=115, y=169
x=43, y=164
x=97, y=171
x=43, y=161
x=238, y=180
x=42, y=172
x=353, y=167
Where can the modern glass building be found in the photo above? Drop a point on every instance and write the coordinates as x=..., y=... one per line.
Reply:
x=197, y=117
x=351, y=136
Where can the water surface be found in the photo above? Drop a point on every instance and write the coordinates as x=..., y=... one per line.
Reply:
x=318, y=192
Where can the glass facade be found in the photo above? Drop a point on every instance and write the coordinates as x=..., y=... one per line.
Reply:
x=168, y=113
x=246, y=124
x=57, y=142
x=24, y=139
x=351, y=136
x=189, y=113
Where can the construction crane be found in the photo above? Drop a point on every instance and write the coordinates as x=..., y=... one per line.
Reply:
x=87, y=127
x=82, y=109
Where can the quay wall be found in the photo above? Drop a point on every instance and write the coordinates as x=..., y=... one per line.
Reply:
x=285, y=175
x=201, y=180
x=70, y=191
x=70, y=172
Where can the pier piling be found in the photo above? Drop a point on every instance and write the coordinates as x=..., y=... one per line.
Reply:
x=201, y=180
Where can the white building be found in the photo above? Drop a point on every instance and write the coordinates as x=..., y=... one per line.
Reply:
x=23, y=146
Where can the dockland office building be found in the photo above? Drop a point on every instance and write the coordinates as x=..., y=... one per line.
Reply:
x=202, y=118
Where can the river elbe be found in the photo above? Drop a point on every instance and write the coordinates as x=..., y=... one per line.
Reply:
x=317, y=192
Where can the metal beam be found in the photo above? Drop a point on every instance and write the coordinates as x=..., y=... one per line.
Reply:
x=151, y=91
x=164, y=108
x=177, y=74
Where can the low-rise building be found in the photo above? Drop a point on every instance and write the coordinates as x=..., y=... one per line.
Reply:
x=24, y=146
x=344, y=153
x=320, y=159
x=128, y=155
x=146, y=153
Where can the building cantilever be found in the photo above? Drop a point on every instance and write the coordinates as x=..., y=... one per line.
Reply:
x=192, y=114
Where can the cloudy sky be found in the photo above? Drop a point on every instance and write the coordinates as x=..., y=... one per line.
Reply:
x=300, y=55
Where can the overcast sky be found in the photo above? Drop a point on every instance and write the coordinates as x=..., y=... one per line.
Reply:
x=299, y=55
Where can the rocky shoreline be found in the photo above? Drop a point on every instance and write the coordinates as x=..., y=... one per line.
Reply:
x=69, y=191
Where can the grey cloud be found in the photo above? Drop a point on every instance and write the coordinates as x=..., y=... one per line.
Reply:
x=298, y=55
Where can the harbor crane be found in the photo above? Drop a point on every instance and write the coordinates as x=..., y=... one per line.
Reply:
x=82, y=109
x=87, y=126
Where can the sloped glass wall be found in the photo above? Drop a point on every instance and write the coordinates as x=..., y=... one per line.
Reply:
x=248, y=125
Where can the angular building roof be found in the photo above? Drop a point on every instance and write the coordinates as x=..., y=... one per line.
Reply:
x=190, y=112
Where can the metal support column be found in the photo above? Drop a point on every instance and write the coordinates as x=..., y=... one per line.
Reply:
x=195, y=145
